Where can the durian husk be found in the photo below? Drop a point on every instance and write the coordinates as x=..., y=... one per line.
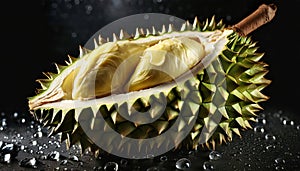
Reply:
x=230, y=87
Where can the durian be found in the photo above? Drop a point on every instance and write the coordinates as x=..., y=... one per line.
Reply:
x=206, y=72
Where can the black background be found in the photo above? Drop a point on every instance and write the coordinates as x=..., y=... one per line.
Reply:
x=35, y=34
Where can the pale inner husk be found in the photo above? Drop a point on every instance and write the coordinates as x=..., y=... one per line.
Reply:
x=129, y=69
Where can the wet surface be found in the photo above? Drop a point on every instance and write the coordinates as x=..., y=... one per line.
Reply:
x=55, y=28
x=272, y=144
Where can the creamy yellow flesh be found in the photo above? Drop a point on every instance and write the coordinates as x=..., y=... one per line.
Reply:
x=119, y=67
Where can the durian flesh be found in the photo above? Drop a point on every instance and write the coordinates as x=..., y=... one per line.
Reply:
x=219, y=69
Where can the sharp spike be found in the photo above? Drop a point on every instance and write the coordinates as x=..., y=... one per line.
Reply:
x=142, y=32
x=115, y=38
x=48, y=75
x=171, y=28
x=188, y=25
x=153, y=31
x=137, y=33
x=71, y=60
x=101, y=40
x=124, y=35
x=95, y=44
x=58, y=67
x=147, y=32
x=81, y=53
x=43, y=84
x=212, y=23
x=183, y=27
x=196, y=23
x=107, y=39
x=163, y=30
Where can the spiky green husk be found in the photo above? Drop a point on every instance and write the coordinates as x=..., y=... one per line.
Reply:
x=236, y=77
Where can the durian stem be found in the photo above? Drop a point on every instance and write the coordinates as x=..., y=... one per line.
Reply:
x=259, y=17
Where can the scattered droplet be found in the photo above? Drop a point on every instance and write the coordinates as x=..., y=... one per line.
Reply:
x=183, y=164
x=88, y=9
x=11, y=149
x=287, y=121
x=261, y=119
x=54, y=155
x=163, y=158
x=15, y=115
x=279, y=161
x=111, y=166
x=123, y=162
x=214, y=155
x=298, y=127
x=270, y=137
x=74, y=158
x=29, y=163
x=74, y=34
x=64, y=162
x=38, y=134
x=208, y=166
x=6, y=158
x=269, y=147
x=33, y=142
x=259, y=129
x=23, y=120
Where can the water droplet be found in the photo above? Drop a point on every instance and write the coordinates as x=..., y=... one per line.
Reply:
x=54, y=155
x=29, y=163
x=208, y=166
x=44, y=157
x=64, y=162
x=214, y=155
x=183, y=164
x=23, y=120
x=74, y=34
x=269, y=147
x=163, y=158
x=33, y=142
x=38, y=134
x=123, y=162
x=279, y=168
x=111, y=166
x=74, y=158
x=88, y=9
x=270, y=137
x=261, y=119
x=279, y=161
x=228, y=17
x=6, y=158
x=259, y=129
x=15, y=115
x=287, y=121
x=11, y=149
x=298, y=127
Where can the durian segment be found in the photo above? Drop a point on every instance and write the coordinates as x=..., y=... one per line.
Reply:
x=229, y=87
x=132, y=65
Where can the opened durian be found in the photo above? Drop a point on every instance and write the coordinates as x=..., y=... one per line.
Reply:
x=206, y=76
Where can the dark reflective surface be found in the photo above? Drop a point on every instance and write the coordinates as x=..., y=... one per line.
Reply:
x=36, y=34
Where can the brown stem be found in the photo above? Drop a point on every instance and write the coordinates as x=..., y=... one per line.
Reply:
x=259, y=17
